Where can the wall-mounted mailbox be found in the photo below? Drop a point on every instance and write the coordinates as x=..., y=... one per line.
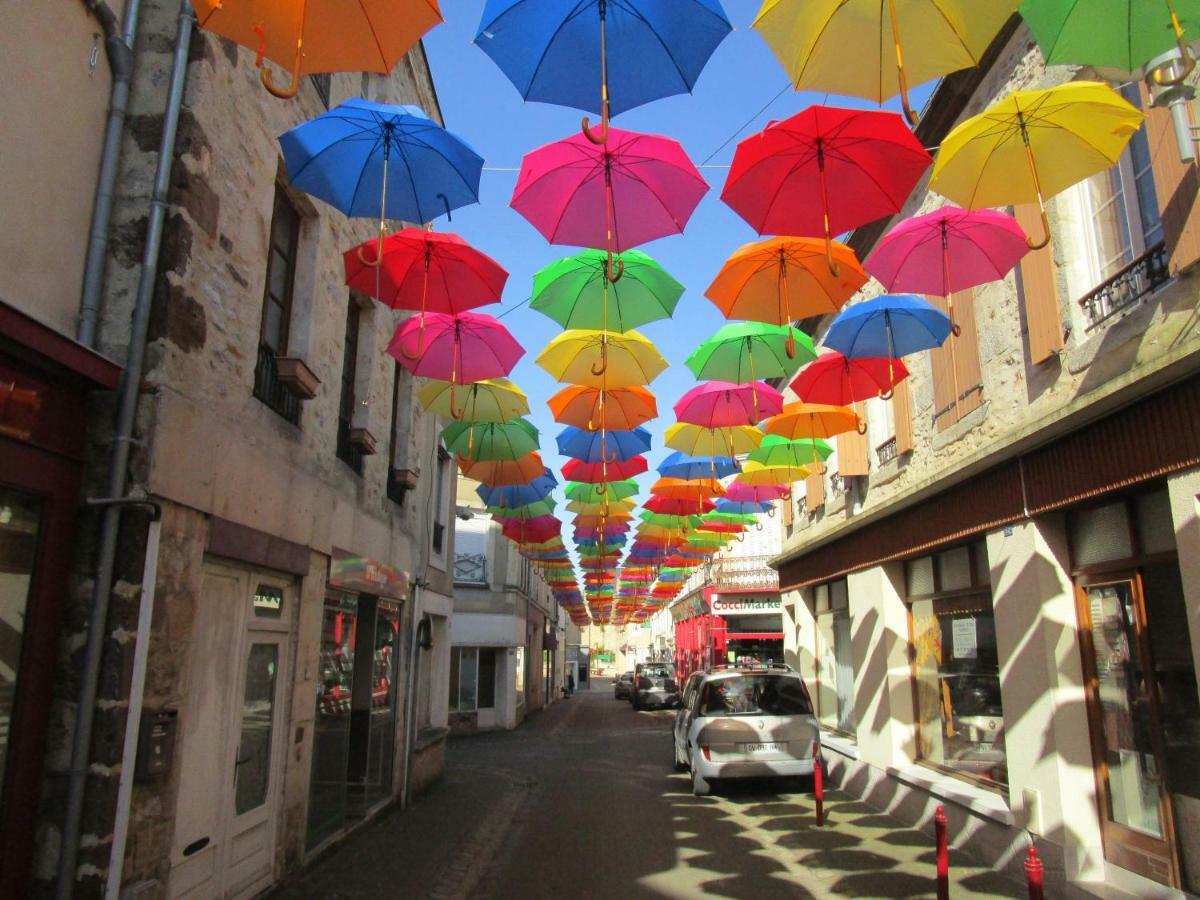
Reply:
x=156, y=743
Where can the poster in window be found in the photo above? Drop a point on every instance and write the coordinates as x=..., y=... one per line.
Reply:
x=966, y=642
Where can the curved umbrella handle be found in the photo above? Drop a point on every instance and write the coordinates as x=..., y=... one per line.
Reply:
x=283, y=93
x=886, y=395
x=862, y=426
x=1038, y=245
x=956, y=330
x=741, y=538
x=600, y=138
x=611, y=460
x=603, y=359
x=771, y=512
x=834, y=269
x=602, y=488
x=912, y=117
x=417, y=355
x=457, y=415
x=373, y=263
x=1184, y=51
x=790, y=347
x=614, y=275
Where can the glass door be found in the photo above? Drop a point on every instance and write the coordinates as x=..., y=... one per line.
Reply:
x=327, y=799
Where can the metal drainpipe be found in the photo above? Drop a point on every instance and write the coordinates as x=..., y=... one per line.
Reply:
x=119, y=49
x=410, y=691
x=131, y=379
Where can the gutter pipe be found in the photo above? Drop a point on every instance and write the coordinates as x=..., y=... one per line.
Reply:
x=127, y=401
x=119, y=50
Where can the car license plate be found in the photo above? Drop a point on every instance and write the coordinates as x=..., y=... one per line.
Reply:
x=763, y=748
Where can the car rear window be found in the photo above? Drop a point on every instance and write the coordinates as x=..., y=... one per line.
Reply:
x=656, y=671
x=755, y=695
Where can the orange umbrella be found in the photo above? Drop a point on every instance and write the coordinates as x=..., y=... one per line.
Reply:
x=503, y=472
x=611, y=409
x=784, y=279
x=308, y=36
x=811, y=420
x=686, y=489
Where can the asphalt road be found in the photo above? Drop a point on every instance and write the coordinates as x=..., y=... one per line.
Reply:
x=581, y=801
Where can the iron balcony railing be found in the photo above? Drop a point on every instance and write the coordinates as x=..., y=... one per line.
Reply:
x=270, y=390
x=1127, y=287
x=744, y=573
x=347, y=451
x=470, y=568
x=886, y=451
x=837, y=484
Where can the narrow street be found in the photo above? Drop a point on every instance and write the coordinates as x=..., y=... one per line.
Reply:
x=581, y=801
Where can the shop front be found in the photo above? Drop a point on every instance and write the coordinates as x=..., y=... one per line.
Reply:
x=751, y=625
x=699, y=635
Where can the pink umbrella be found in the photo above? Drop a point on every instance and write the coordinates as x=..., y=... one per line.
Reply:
x=531, y=531
x=719, y=404
x=755, y=493
x=617, y=195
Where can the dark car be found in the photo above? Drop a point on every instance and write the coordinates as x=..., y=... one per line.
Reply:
x=623, y=687
x=654, y=685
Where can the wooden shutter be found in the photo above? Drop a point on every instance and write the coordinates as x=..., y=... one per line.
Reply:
x=1039, y=290
x=966, y=354
x=943, y=378
x=786, y=514
x=902, y=417
x=852, y=454
x=1176, y=184
x=814, y=492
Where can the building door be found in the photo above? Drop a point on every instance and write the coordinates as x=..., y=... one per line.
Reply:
x=231, y=736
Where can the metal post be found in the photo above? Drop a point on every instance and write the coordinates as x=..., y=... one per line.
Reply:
x=818, y=785
x=943, y=855
x=1034, y=873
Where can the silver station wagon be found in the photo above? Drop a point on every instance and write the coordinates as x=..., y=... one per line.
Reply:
x=745, y=723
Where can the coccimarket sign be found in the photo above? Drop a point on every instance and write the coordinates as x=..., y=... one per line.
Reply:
x=746, y=605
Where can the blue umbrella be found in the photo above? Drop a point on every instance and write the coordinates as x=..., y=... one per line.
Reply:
x=373, y=159
x=634, y=51
x=680, y=465
x=890, y=326
x=586, y=445
x=743, y=508
x=518, y=494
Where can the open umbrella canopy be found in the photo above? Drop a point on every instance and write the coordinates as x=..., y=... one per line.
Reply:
x=720, y=517
x=686, y=489
x=839, y=381
x=675, y=506
x=504, y=472
x=576, y=293
x=528, y=511
x=632, y=189
x=377, y=160
x=757, y=474
x=462, y=349
x=592, y=446
x=518, y=494
x=580, y=356
x=613, y=409
x=423, y=270
x=753, y=493
x=597, y=472
x=552, y=50
x=743, y=507
x=490, y=400
x=595, y=493
x=779, y=451
x=811, y=420
x=747, y=351
x=893, y=325
x=525, y=531
x=719, y=404
x=487, y=441
x=697, y=441
x=671, y=520
x=948, y=250
x=784, y=279
x=680, y=465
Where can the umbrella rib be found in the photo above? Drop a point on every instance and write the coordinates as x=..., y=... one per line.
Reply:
x=953, y=30
x=383, y=62
x=533, y=76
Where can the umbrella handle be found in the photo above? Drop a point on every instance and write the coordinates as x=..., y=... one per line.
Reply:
x=862, y=426
x=283, y=93
x=457, y=415
x=790, y=347
x=603, y=359
x=614, y=275
x=886, y=395
x=600, y=137
x=956, y=330
x=1038, y=245
x=741, y=538
x=912, y=117
x=417, y=355
x=771, y=512
x=362, y=257
x=602, y=488
x=1184, y=51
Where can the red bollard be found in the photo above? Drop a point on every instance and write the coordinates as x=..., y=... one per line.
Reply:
x=818, y=787
x=943, y=855
x=1033, y=874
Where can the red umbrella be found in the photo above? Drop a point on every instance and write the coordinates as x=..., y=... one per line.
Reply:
x=825, y=171
x=531, y=531
x=673, y=507
x=597, y=472
x=720, y=404
x=839, y=381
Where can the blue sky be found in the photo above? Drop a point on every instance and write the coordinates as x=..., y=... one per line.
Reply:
x=480, y=104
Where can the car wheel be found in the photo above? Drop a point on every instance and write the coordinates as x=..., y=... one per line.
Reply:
x=680, y=763
x=701, y=786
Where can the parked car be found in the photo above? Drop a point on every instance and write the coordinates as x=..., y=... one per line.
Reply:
x=623, y=687
x=745, y=723
x=654, y=685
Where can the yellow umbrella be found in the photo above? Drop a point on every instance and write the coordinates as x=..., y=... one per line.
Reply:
x=492, y=400
x=601, y=359
x=588, y=509
x=697, y=441
x=758, y=475
x=1034, y=144
x=874, y=48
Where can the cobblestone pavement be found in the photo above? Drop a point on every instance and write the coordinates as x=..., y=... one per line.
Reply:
x=581, y=802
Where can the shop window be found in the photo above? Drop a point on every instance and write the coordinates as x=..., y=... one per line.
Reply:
x=464, y=679
x=519, y=674
x=282, y=253
x=956, y=666
x=835, y=663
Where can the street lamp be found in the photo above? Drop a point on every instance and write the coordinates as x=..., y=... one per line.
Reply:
x=1165, y=78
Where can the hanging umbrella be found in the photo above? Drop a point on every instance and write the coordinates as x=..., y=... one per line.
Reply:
x=605, y=56
x=576, y=293
x=873, y=48
x=680, y=465
x=675, y=514
x=823, y=172
x=697, y=441
x=600, y=360
x=320, y=35
x=840, y=381
x=593, y=447
x=746, y=351
x=745, y=506
x=1120, y=36
x=685, y=489
x=811, y=420
x=518, y=494
x=490, y=441
x=594, y=493
x=893, y=325
x=504, y=472
x=756, y=474
x=738, y=492
x=718, y=404
x=374, y=159
x=785, y=279
x=528, y=511
x=594, y=473
x=584, y=508
x=779, y=451
x=1034, y=144
x=524, y=531
x=490, y=400
x=618, y=409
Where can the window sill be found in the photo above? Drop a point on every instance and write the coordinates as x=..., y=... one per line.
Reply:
x=988, y=804
x=961, y=428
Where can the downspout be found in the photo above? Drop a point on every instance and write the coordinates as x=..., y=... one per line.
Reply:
x=131, y=379
x=410, y=690
x=119, y=50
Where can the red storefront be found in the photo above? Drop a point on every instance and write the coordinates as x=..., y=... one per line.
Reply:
x=715, y=629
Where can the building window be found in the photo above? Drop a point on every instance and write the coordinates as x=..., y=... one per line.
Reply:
x=881, y=429
x=440, y=501
x=470, y=556
x=347, y=451
x=956, y=664
x=519, y=674
x=400, y=477
x=835, y=662
x=277, y=308
x=472, y=678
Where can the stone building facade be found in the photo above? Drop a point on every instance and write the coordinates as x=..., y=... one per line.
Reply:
x=296, y=587
x=994, y=592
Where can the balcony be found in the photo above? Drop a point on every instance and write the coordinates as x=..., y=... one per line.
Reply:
x=886, y=451
x=744, y=573
x=470, y=568
x=271, y=390
x=1126, y=288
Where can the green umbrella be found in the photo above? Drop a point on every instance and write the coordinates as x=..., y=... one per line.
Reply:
x=749, y=351
x=730, y=518
x=1111, y=34
x=595, y=493
x=669, y=521
x=485, y=441
x=575, y=292
x=528, y=511
x=707, y=541
x=779, y=451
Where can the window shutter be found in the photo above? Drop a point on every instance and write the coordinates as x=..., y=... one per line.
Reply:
x=943, y=377
x=852, y=454
x=902, y=416
x=814, y=492
x=787, y=515
x=1039, y=290
x=1176, y=184
x=966, y=354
